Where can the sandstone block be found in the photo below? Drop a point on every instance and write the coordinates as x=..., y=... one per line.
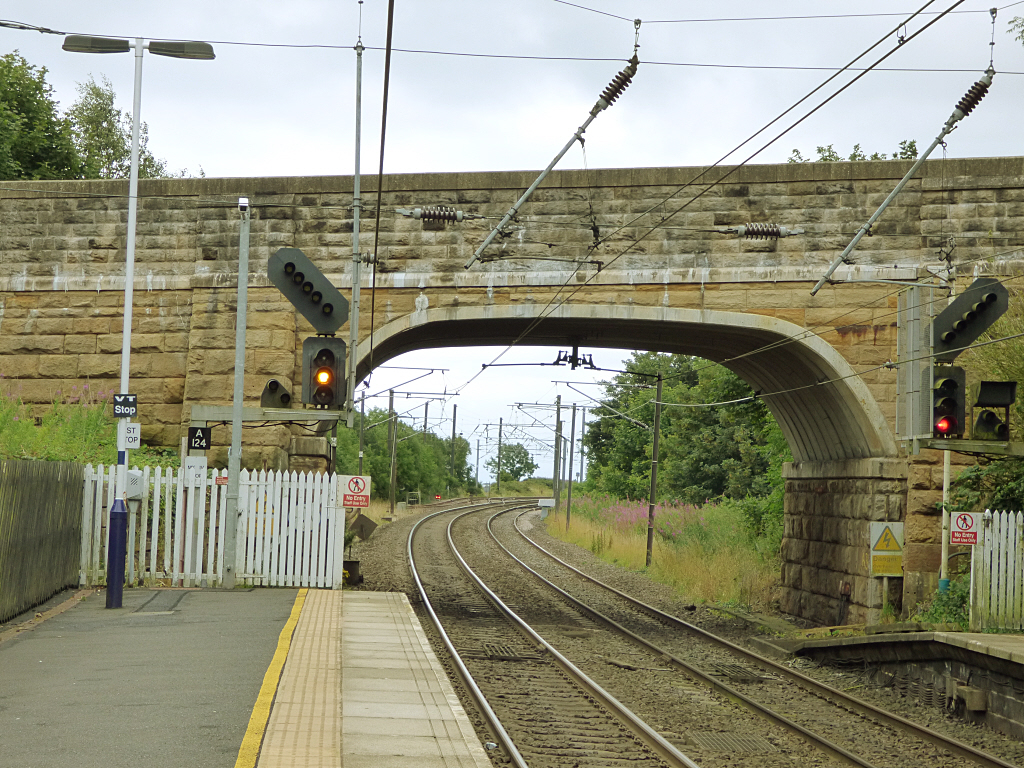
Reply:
x=924, y=558
x=99, y=366
x=921, y=529
x=31, y=345
x=80, y=345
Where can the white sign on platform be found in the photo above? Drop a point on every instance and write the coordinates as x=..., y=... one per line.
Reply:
x=195, y=470
x=133, y=432
x=355, y=491
x=963, y=528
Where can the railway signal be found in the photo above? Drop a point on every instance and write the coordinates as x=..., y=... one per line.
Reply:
x=323, y=372
x=949, y=405
x=306, y=287
x=994, y=395
x=275, y=395
x=969, y=315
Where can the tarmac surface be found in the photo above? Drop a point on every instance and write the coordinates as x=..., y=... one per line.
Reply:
x=168, y=680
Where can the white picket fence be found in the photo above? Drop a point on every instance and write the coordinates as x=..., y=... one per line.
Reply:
x=290, y=530
x=997, y=573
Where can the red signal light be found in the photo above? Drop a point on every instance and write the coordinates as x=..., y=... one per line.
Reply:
x=945, y=426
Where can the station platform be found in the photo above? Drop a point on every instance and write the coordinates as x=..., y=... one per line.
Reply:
x=980, y=675
x=228, y=679
x=362, y=688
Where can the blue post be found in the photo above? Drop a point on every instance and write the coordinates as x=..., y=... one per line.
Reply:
x=117, y=552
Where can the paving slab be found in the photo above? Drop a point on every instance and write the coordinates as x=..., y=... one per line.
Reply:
x=362, y=687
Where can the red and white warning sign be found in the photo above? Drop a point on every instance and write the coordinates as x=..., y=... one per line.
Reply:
x=964, y=528
x=355, y=490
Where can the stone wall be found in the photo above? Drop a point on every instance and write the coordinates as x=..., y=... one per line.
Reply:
x=62, y=265
x=829, y=508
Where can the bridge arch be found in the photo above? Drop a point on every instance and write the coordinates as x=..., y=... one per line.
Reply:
x=824, y=408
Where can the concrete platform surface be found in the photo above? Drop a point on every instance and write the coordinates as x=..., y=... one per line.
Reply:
x=169, y=680
x=231, y=679
x=362, y=687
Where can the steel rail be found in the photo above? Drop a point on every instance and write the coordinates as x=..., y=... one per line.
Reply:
x=695, y=672
x=820, y=689
x=647, y=735
x=463, y=672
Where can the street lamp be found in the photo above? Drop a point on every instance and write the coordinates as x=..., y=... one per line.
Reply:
x=117, y=548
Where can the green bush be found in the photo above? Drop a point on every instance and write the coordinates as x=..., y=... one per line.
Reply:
x=951, y=607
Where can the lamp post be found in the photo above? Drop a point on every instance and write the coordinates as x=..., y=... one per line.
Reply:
x=177, y=49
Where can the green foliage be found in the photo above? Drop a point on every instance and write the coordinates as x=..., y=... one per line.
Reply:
x=423, y=460
x=731, y=451
x=1017, y=25
x=103, y=135
x=907, y=151
x=516, y=462
x=952, y=607
x=75, y=428
x=35, y=141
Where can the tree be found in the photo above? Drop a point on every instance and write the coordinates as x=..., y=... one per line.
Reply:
x=1017, y=25
x=516, y=462
x=707, y=451
x=35, y=140
x=103, y=135
x=422, y=460
x=907, y=151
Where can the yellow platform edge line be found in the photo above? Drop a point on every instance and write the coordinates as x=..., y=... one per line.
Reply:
x=249, y=751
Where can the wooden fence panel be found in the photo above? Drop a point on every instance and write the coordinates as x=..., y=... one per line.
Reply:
x=41, y=536
x=997, y=573
x=289, y=529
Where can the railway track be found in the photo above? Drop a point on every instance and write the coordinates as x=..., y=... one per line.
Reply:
x=540, y=709
x=695, y=699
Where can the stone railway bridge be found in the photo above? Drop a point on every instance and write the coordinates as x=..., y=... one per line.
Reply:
x=681, y=288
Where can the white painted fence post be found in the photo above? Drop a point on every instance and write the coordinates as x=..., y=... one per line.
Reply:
x=338, y=534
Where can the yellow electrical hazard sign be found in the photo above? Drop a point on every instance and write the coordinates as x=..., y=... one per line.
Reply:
x=886, y=549
x=887, y=542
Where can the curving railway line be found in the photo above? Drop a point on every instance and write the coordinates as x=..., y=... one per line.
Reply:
x=565, y=671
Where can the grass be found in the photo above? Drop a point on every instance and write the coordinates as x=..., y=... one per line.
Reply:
x=704, y=552
x=76, y=426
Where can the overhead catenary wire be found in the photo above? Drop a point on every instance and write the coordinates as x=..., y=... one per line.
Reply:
x=547, y=309
x=760, y=18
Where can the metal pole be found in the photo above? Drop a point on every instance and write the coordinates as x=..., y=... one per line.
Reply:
x=392, y=442
x=946, y=470
x=235, y=453
x=555, y=472
x=476, y=473
x=572, y=437
x=353, y=317
x=118, y=539
x=583, y=427
x=499, y=455
x=426, y=406
x=455, y=410
x=362, y=423
x=654, y=472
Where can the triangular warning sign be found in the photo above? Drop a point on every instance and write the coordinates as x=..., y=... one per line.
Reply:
x=887, y=542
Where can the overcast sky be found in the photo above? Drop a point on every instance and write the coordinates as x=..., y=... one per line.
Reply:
x=278, y=100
